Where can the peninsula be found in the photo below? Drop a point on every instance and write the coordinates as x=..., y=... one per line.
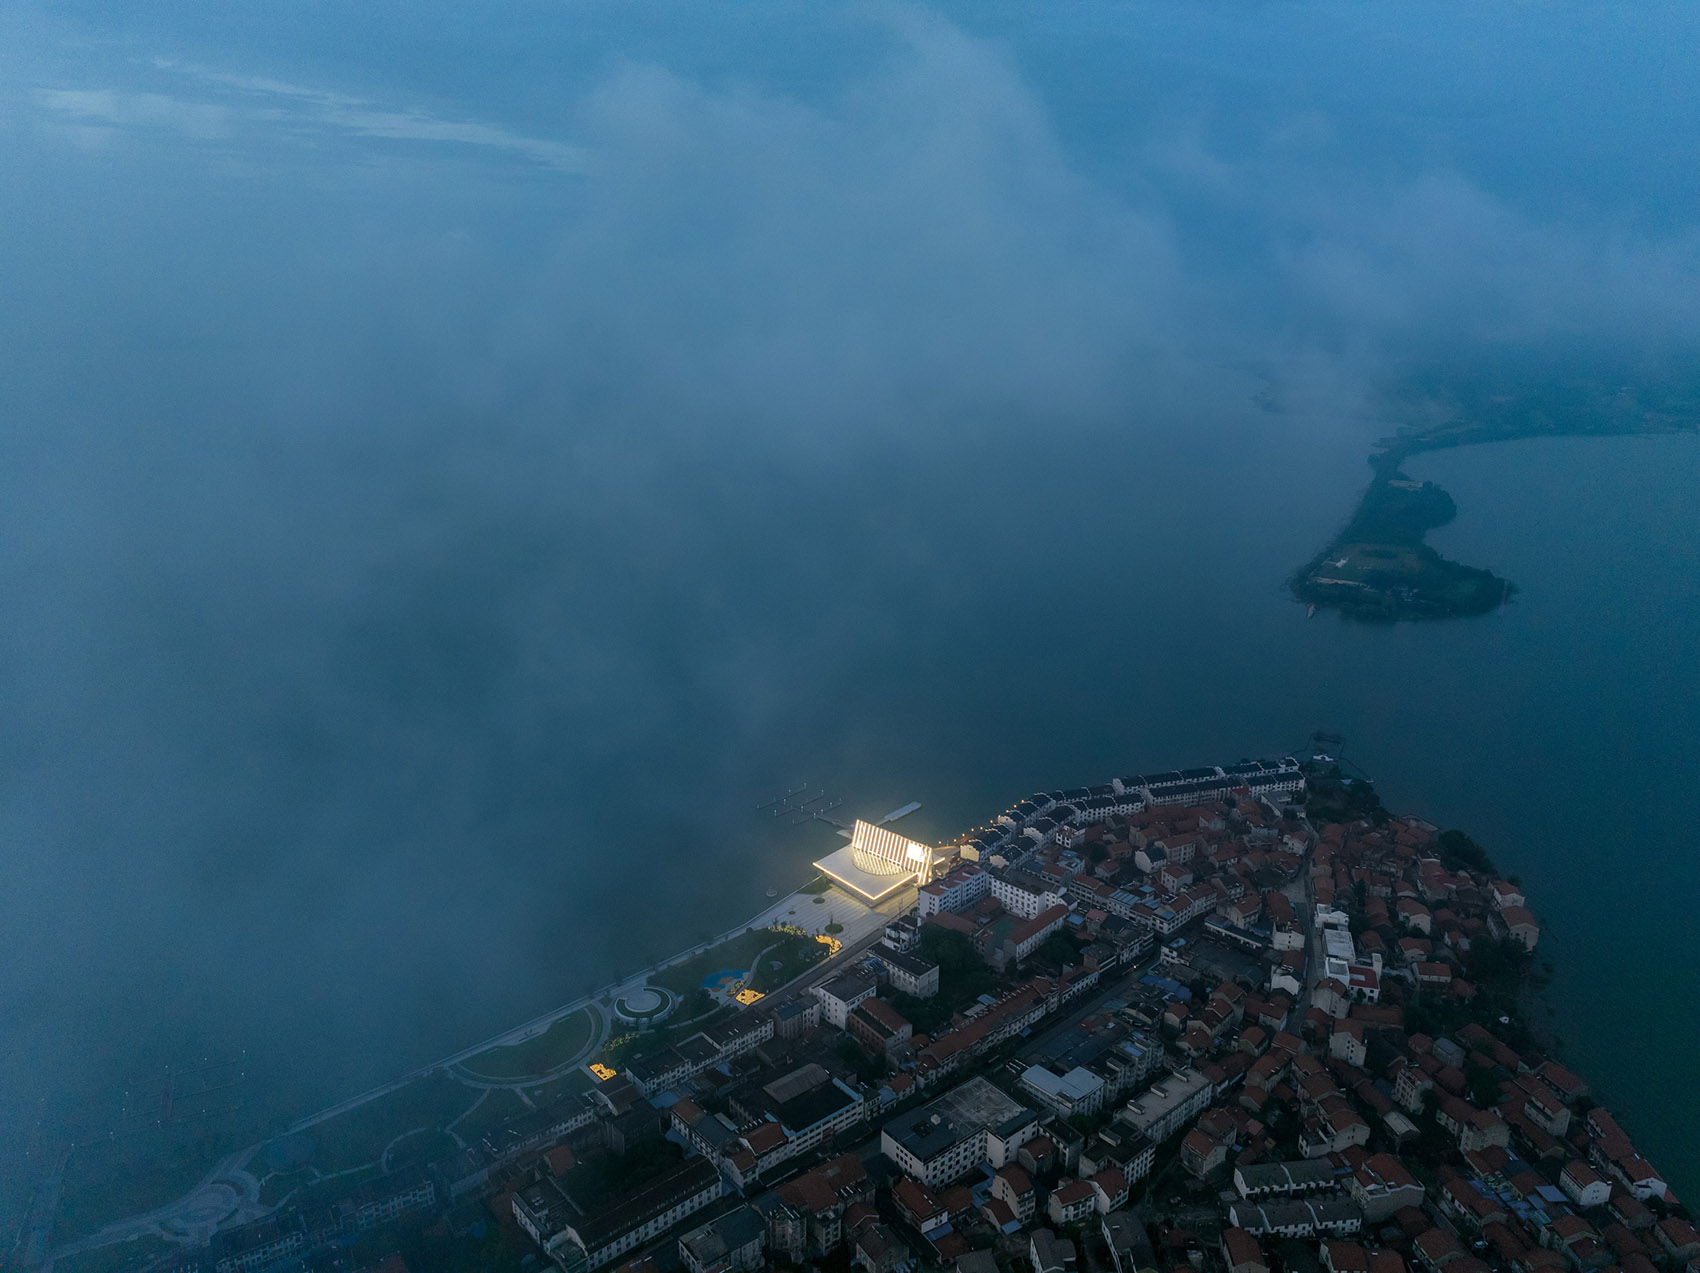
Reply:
x=1379, y=567
x=1236, y=1017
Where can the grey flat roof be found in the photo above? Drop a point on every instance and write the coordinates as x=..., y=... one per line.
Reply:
x=966, y=1110
x=914, y=965
x=809, y=1108
x=848, y=984
x=726, y=1233
x=1261, y=1217
x=1303, y=1173
x=619, y=1216
x=1167, y=1093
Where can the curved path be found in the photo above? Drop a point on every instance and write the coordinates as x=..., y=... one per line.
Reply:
x=384, y=1158
x=230, y=1195
x=488, y=1082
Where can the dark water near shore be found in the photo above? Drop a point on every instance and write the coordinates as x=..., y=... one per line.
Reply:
x=1580, y=706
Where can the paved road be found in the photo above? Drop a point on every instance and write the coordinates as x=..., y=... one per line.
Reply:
x=1304, y=909
x=868, y=1147
x=1120, y=984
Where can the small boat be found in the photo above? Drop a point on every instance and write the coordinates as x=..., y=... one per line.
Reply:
x=1311, y=613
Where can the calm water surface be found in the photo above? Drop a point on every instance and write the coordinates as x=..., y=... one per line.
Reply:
x=957, y=629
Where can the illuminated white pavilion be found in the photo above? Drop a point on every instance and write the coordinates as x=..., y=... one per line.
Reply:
x=877, y=862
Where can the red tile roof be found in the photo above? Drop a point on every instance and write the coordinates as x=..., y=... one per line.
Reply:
x=1242, y=1248
x=765, y=1137
x=1072, y=1192
x=1112, y=1182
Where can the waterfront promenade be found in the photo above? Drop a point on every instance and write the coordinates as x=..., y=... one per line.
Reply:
x=230, y=1192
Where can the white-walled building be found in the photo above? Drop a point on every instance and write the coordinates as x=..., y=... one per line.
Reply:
x=841, y=994
x=1024, y=895
x=957, y=891
x=946, y=1138
x=1078, y=1092
x=1585, y=1186
x=877, y=862
x=910, y=974
x=1335, y=1217
x=1169, y=1104
x=600, y=1236
x=1027, y=937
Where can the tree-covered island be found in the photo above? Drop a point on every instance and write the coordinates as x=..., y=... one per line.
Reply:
x=1380, y=568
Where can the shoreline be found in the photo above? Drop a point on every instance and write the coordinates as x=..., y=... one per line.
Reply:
x=230, y=1182
x=1330, y=800
x=230, y=1194
x=1379, y=566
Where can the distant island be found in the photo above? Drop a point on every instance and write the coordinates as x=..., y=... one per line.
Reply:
x=1380, y=568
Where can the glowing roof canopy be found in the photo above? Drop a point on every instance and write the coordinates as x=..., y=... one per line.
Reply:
x=878, y=862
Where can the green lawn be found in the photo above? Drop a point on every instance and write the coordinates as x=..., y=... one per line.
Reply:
x=499, y=1106
x=423, y=1147
x=574, y=1080
x=278, y=1185
x=106, y=1180
x=735, y=952
x=360, y=1135
x=789, y=956
x=534, y=1058
x=120, y=1257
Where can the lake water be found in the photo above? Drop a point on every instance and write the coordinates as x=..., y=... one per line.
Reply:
x=953, y=626
x=454, y=471
x=1578, y=706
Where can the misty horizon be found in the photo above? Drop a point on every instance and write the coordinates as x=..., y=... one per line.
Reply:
x=456, y=465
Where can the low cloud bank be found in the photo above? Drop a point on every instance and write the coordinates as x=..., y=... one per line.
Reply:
x=394, y=492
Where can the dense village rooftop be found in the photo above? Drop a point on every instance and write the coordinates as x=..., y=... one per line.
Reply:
x=1202, y=988
x=971, y=1107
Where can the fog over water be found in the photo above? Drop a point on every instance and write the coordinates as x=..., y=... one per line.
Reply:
x=454, y=465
